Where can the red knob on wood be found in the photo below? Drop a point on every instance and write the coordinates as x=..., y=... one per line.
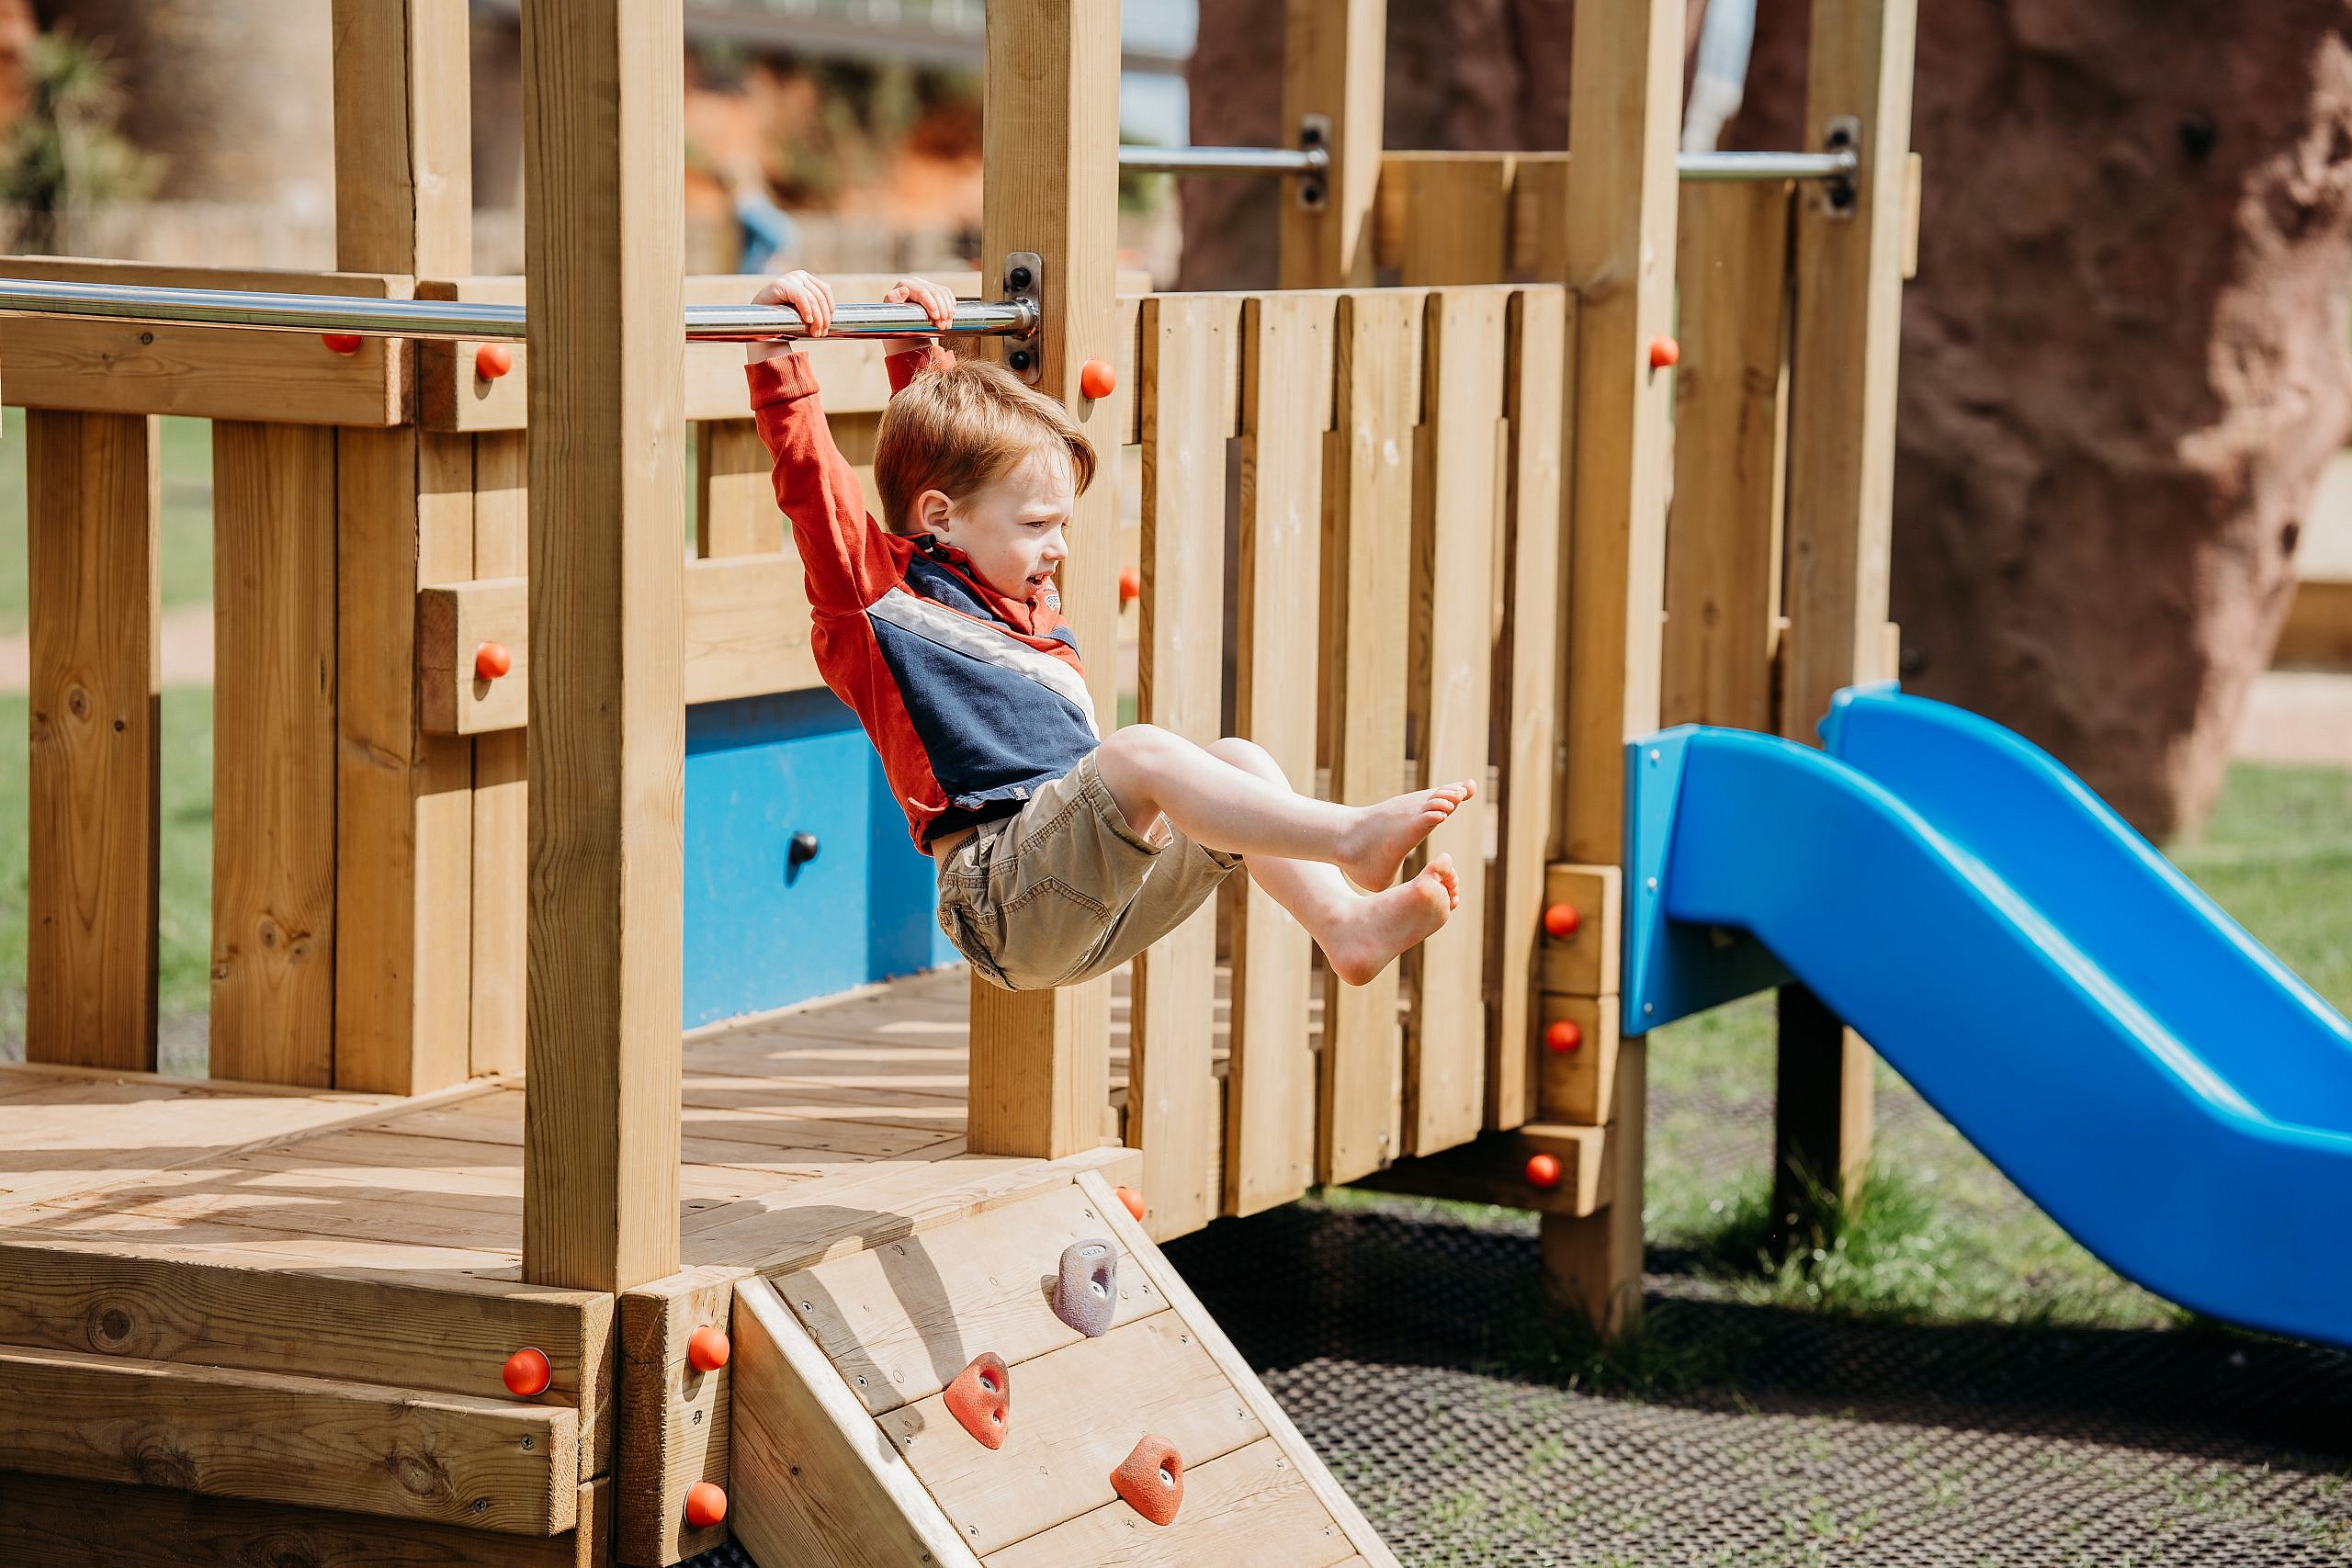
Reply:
x=491, y=660
x=707, y=1349
x=1664, y=352
x=1544, y=1170
x=1562, y=919
x=1130, y=586
x=342, y=342
x=527, y=1373
x=706, y=1505
x=492, y=360
x=1134, y=1201
x=1097, y=379
x=1564, y=1036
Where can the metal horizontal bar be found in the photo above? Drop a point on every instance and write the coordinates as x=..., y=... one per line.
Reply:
x=470, y=320
x=1767, y=165
x=1224, y=160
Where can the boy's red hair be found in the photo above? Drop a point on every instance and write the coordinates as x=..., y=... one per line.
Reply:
x=961, y=426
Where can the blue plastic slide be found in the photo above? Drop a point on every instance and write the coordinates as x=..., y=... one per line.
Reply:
x=2142, y=1068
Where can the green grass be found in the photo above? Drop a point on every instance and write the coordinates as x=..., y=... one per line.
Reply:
x=187, y=545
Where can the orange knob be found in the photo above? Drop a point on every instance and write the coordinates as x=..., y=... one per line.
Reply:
x=1562, y=919
x=527, y=1373
x=1564, y=1036
x=706, y=1505
x=1097, y=379
x=707, y=1349
x=1130, y=586
x=491, y=660
x=1133, y=1200
x=492, y=360
x=342, y=342
x=1544, y=1170
x=1664, y=352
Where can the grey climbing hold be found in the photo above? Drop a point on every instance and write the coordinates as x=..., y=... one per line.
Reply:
x=1088, y=1292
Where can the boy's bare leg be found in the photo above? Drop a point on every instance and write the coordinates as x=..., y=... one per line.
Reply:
x=1150, y=771
x=1359, y=934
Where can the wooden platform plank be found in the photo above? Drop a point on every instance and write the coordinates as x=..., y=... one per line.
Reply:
x=1076, y=1413
x=489, y=1464
x=1251, y=1506
x=1191, y=348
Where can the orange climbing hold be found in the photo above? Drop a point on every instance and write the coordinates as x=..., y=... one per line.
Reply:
x=491, y=660
x=1097, y=379
x=1562, y=919
x=1544, y=1170
x=342, y=342
x=981, y=1399
x=707, y=1349
x=1130, y=586
x=706, y=1505
x=1134, y=1200
x=527, y=1373
x=1665, y=353
x=1151, y=1479
x=492, y=360
x=1564, y=1036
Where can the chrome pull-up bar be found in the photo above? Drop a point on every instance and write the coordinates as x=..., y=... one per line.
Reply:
x=471, y=321
x=1840, y=163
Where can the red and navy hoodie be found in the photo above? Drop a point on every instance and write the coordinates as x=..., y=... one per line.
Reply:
x=973, y=699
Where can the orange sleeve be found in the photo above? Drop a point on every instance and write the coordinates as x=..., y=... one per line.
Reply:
x=844, y=551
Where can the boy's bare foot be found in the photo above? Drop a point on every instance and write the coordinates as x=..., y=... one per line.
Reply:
x=1381, y=925
x=1376, y=843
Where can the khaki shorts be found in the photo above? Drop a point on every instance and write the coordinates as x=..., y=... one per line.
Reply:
x=1065, y=890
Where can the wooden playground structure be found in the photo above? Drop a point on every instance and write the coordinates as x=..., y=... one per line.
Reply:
x=268, y=1315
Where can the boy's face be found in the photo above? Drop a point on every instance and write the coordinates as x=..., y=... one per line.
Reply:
x=1013, y=527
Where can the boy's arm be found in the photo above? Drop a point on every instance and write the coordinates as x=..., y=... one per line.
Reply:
x=847, y=561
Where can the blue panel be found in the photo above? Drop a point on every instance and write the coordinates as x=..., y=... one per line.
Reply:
x=760, y=932
x=2137, y=1064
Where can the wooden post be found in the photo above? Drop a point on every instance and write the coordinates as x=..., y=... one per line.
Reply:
x=93, y=491
x=605, y=258
x=1040, y=1082
x=1841, y=486
x=404, y=520
x=1624, y=112
x=1333, y=51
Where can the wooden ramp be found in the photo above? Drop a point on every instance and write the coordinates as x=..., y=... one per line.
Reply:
x=845, y=1452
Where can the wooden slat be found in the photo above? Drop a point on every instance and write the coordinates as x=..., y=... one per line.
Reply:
x=1493, y=1169
x=600, y=1203
x=274, y=753
x=490, y=1464
x=735, y=499
x=1579, y=1086
x=1457, y=229
x=1526, y=691
x=1040, y=1074
x=1333, y=56
x=1250, y=1505
x=501, y=829
x=1539, y=224
x=1367, y=556
x=1587, y=961
x=1076, y=1415
x=1457, y=488
x=1723, y=547
x=813, y=1481
x=100, y=366
x=681, y=1417
x=746, y=634
x=1619, y=220
x=1191, y=349
x=93, y=493
x=87, y=1524
x=1285, y=420
x=2318, y=630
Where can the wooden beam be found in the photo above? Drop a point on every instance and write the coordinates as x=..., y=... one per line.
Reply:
x=1493, y=1168
x=608, y=748
x=678, y=1417
x=1458, y=226
x=746, y=634
x=1040, y=1081
x=1333, y=55
x=1592, y=1266
x=1625, y=115
x=2319, y=625
x=735, y=510
x=502, y=839
x=93, y=493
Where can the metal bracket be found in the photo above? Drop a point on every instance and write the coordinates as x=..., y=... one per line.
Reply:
x=1315, y=188
x=1837, y=197
x=1024, y=283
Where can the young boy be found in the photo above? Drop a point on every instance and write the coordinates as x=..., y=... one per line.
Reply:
x=1061, y=854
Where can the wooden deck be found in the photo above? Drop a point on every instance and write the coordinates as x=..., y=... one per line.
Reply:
x=798, y=1127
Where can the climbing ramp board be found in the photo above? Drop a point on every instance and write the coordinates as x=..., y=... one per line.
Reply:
x=860, y=1419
